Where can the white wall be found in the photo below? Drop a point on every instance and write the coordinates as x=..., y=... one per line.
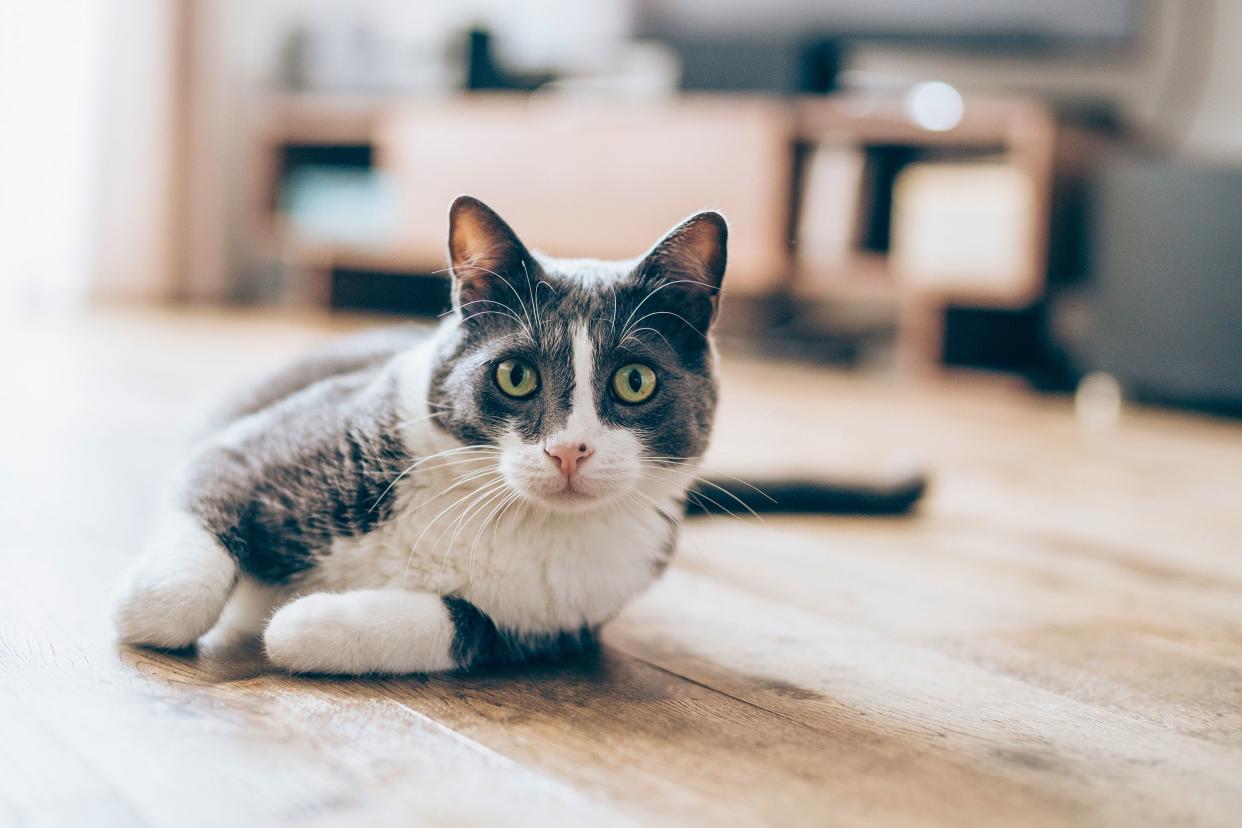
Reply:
x=1216, y=130
x=48, y=132
x=86, y=146
x=134, y=217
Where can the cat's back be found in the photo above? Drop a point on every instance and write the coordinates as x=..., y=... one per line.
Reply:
x=352, y=356
x=307, y=456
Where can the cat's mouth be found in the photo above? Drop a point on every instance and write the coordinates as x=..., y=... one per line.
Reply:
x=571, y=495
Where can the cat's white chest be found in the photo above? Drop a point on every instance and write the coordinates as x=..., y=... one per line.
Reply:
x=568, y=572
x=527, y=569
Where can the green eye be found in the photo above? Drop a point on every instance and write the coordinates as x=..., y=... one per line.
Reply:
x=517, y=378
x=634, y=383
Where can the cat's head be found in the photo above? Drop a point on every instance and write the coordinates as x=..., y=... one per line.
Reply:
x=586, y=382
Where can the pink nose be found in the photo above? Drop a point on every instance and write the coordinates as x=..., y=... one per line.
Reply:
x=569, y=457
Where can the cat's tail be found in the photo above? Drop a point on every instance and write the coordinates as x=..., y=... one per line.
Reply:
x=803, y=496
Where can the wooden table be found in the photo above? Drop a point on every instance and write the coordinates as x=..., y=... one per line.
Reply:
x=1055, y=639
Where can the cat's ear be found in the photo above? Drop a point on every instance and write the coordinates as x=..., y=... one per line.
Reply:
x=687, y=266
x=489, y=261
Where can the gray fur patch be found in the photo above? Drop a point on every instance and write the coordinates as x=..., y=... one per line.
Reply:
x=362, y=352
x=478, y=642
x=321, y=466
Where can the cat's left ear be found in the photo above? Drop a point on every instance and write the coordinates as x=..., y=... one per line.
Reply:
x=489, y=261
x=688, y=265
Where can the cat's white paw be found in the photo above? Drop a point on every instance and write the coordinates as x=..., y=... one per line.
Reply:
x=306, y=634
x=366, y=631
x=178, y=590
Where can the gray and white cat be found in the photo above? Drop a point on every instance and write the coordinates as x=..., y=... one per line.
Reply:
x=488, y=492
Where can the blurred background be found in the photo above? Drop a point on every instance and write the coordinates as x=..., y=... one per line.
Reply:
x=1036, y=192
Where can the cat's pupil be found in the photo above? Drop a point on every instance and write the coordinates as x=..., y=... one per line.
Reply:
x=516, y=374
x=635, y=380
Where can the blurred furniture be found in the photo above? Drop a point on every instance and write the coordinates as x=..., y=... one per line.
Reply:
x=924, y=218
x=830, y=199
x=602, y=179
x=575, y=178
x=1166, y=298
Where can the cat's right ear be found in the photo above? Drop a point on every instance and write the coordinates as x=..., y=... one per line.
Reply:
x=687, y=266
x=489, y=261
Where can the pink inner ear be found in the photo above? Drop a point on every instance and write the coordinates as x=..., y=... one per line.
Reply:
x=477, y=236
x=696, y=249
x=482, y=245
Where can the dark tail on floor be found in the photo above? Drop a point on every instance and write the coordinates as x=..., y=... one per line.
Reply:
x=895, y=496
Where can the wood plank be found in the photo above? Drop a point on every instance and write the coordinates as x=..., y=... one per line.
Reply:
x=45, y=781
x=1084, y=626
x=824, y=674
x=217, y=739
x=665, y=750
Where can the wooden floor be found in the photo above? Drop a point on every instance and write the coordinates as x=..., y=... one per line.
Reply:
x=1055, y=639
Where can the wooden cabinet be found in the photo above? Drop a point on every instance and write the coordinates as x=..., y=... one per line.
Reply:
x=829, y=199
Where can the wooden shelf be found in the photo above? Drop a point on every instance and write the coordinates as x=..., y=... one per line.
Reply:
x=743, y=146
x=1020, y=132
x=1010, y=122
x=578, y=178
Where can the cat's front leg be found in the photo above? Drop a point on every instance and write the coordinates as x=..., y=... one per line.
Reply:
x=179, y=587
x=363, y=631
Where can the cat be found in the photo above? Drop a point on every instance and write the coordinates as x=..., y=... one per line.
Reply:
x=487, y=492
x=491, y=492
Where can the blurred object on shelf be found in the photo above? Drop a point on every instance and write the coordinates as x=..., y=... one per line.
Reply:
x=329, y=205
x=484, y=72
x=1098, y=401
x=789, y=64
x=637, y=69
x=966, y=230
x=935, y=105
x=340, y=53
x=832, y=192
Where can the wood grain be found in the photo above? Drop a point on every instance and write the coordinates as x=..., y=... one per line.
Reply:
x=1055, y=638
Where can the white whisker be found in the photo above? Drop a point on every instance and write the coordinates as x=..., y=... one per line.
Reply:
x=412, y=467
x=661, y=287
x=688, y=460
x=704, y=496
x=434, y=520
x=503, y=504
